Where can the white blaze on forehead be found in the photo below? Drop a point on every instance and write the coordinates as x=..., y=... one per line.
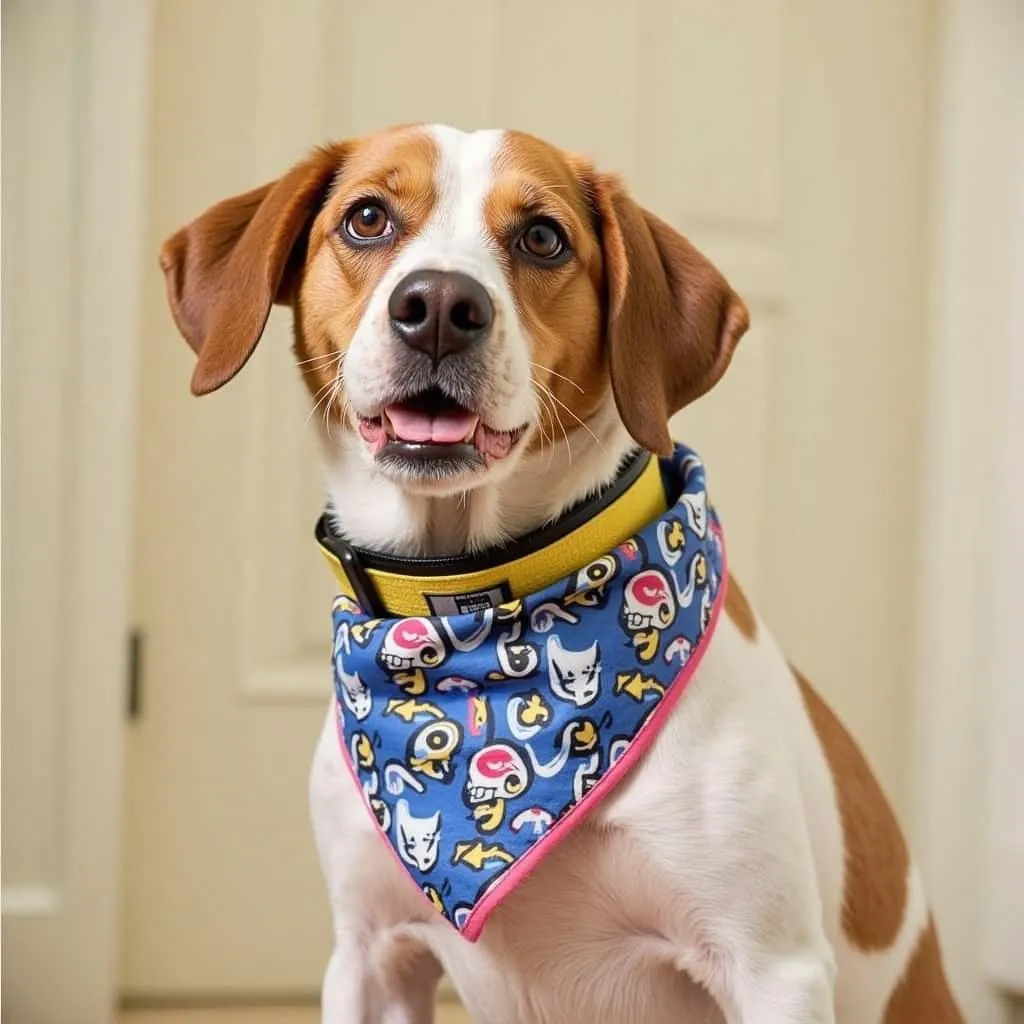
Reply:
x=456, y=236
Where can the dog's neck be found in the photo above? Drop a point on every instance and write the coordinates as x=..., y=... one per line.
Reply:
x=374, y=513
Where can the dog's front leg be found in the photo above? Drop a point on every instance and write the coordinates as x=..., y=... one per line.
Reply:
x=743, y=918
x=359, y=989
x=380, y=972
x=717, y=820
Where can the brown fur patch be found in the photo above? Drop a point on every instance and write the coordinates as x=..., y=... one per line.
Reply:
x=737, y=607
x=923, y=995
x=877, y=861
x=397, y=168
x=561, y=306
x=226, y=268
x=672, y=319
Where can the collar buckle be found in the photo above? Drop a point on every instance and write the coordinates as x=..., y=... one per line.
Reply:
x=359, y=579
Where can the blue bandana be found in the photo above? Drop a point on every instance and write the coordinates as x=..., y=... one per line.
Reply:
x=479, y=739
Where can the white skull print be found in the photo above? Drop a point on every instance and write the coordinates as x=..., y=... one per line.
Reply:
x=497, y=772
x=648, y=602
x=410, y=644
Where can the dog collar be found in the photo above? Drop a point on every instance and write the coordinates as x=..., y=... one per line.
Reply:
x=479, y=739
x=385, y=585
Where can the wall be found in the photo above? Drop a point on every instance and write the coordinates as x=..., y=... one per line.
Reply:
x=969, y=805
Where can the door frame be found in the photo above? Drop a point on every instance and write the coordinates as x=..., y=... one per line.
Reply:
x=968, y=665
x=60, y=950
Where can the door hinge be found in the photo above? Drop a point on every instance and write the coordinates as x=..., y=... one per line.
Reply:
x=133, y=703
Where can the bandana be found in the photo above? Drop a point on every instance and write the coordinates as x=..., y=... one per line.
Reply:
x=480, y=738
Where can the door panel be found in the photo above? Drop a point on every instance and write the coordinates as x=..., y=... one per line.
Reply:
x=74, y=80
x=713, y=114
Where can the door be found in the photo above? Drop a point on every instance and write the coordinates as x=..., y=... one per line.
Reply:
x=74, y=82
x=786, y=139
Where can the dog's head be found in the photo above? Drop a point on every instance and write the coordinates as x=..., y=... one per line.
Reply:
x=459, y=299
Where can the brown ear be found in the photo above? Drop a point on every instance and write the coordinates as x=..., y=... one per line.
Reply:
x=673, y=320
x=226, y=268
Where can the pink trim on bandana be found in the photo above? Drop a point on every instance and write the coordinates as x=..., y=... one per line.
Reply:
x=354, y=775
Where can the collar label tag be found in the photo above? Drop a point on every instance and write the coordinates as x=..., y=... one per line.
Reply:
x=475, y=601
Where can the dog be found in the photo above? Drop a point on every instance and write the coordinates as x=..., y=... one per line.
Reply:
x=495, y=336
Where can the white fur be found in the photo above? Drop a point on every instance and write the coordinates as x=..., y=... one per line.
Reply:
x=708, y=887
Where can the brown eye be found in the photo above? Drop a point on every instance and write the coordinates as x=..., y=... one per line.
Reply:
x=367, y=222
x=543, y=240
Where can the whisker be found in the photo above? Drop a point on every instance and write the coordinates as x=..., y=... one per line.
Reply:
x=317, y=399
x=315, y=408
x=330, y=404
x=552, y=419
x=322, y=358
x=328, y=391
x=324, y=387
x=543, y=433
x=558, y=418
x=555, y=373
x=544, y=439
x=313, y=411
x=576, y=418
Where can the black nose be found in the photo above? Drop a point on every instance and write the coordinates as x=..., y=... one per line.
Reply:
x=440, y=312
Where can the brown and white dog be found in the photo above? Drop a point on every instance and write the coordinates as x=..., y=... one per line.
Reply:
x=557, y=326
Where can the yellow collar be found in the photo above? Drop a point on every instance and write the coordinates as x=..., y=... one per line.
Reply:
x=385, y=586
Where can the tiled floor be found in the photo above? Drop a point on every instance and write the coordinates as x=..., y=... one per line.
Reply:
x=446, y=1014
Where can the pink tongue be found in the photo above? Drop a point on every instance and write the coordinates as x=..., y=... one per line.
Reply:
x=447, y=427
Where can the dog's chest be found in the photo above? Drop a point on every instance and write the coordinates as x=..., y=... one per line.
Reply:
x=578, y=941
x=602, y=928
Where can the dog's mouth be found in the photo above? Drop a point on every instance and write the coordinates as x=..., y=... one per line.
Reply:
x=431, y=428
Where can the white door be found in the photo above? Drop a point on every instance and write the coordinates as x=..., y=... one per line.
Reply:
x=788, y=140
x=75, y=78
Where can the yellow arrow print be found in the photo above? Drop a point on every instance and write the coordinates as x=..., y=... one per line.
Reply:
x=476, y=855
x=407, y=709
x=637, y=685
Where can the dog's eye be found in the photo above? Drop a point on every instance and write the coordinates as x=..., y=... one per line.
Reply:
x=366, y=222
x=543, y=240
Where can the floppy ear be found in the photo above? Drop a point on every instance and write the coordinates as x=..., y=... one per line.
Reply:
x=672, y=319
x=226, y=268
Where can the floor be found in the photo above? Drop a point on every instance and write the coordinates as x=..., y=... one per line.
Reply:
x=446, y=1014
